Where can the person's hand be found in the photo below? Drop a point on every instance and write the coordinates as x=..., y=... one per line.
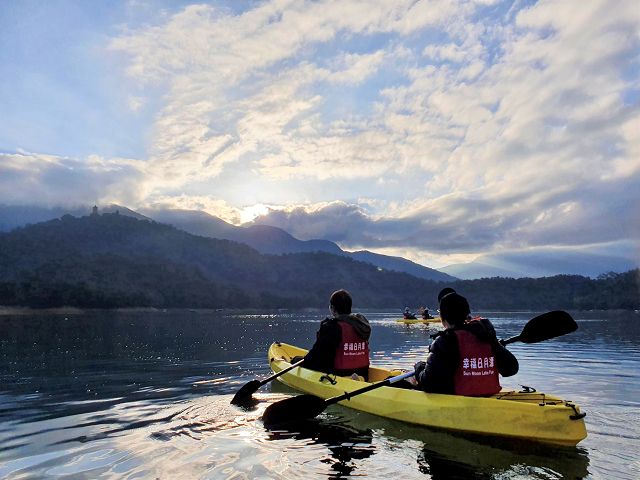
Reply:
x=419, y=367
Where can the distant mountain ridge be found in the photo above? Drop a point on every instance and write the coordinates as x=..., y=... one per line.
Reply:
x=541, y=263
x=113, y=260
x=14, y=216
x=274, y=240
x=263, y=238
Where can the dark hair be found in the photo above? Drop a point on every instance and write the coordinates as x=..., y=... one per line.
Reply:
x=341, y=301
x=454, y=308
x=445, y=291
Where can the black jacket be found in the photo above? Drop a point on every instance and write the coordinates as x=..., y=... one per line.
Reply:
x=321, y=357
x=437, y=374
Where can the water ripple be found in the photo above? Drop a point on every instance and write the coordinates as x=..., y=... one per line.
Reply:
x=154, y=403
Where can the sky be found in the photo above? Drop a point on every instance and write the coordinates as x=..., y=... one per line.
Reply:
x=438, y=130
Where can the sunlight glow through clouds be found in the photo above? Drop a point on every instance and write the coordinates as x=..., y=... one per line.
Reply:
x=249, y=213
x=212, y=206
x=468, y=125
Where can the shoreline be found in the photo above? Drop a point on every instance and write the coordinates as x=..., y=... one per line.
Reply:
x=5, y=311
x=69, y=310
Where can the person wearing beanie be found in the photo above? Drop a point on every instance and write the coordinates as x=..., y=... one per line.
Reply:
x=407, y=314
x=424, y=311
x=342, y=342
x=466, y=358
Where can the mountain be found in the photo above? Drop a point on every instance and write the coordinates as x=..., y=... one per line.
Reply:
x=14, y=216
x=535, y=263
x=543, y=263
x=115, y=260
x=273, y=240
x=264, y=238
x=476, y=269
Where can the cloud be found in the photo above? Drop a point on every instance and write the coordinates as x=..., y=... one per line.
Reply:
x=476, y=222
x=354, y=68
x=211, y=205
x=232, y=100
x=48, y=180
x=243, y=87
x=517, y=121
x=427, y=128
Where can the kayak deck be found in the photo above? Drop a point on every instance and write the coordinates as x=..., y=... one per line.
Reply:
x=526, y=415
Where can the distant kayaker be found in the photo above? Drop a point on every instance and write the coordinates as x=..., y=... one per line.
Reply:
x=465, y=358
x=425, y=313
x=407, y=314
x=342, y=342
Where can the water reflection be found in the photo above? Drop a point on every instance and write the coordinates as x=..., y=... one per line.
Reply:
x=346, y=443
x=125, y=394
x=448, y=455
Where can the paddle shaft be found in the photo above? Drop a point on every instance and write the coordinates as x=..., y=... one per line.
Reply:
x=281, y=372
x=368, y=388
x=248, y=389
x=507, y=341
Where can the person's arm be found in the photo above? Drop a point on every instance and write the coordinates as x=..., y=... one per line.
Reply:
x=436, y=374
x=322, y=354
x=505, y=360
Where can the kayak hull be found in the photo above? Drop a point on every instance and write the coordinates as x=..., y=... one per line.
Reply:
x=525, y=415
x=411, y=321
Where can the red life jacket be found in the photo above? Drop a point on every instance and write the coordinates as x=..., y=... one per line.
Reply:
x=477, y=373
x=352, y=352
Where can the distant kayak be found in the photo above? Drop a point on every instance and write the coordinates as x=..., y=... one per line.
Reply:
x=527, y=415
x=410, y=321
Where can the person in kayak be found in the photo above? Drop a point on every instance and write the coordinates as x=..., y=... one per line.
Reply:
x=407, y=314
x=425, y=313
x=342, y=342
x=466, y=357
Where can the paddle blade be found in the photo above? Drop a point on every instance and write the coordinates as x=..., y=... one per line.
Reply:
x=293, y=409
x=245, y=392
x=546, y=326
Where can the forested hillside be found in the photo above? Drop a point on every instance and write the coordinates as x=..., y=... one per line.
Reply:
x=112, y=260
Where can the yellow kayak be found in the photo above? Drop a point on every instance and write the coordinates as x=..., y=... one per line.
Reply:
x=411, y=321
x=526, y=415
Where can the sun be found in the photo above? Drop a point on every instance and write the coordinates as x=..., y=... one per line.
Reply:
x=249, y=213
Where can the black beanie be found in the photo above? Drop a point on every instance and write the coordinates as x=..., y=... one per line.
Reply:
x=454, y=308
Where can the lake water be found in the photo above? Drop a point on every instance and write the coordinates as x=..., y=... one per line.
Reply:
x=115, y=395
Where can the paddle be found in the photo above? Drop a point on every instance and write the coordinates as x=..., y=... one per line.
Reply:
x=244, y=394
x=543, y=327
x=308, y=406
